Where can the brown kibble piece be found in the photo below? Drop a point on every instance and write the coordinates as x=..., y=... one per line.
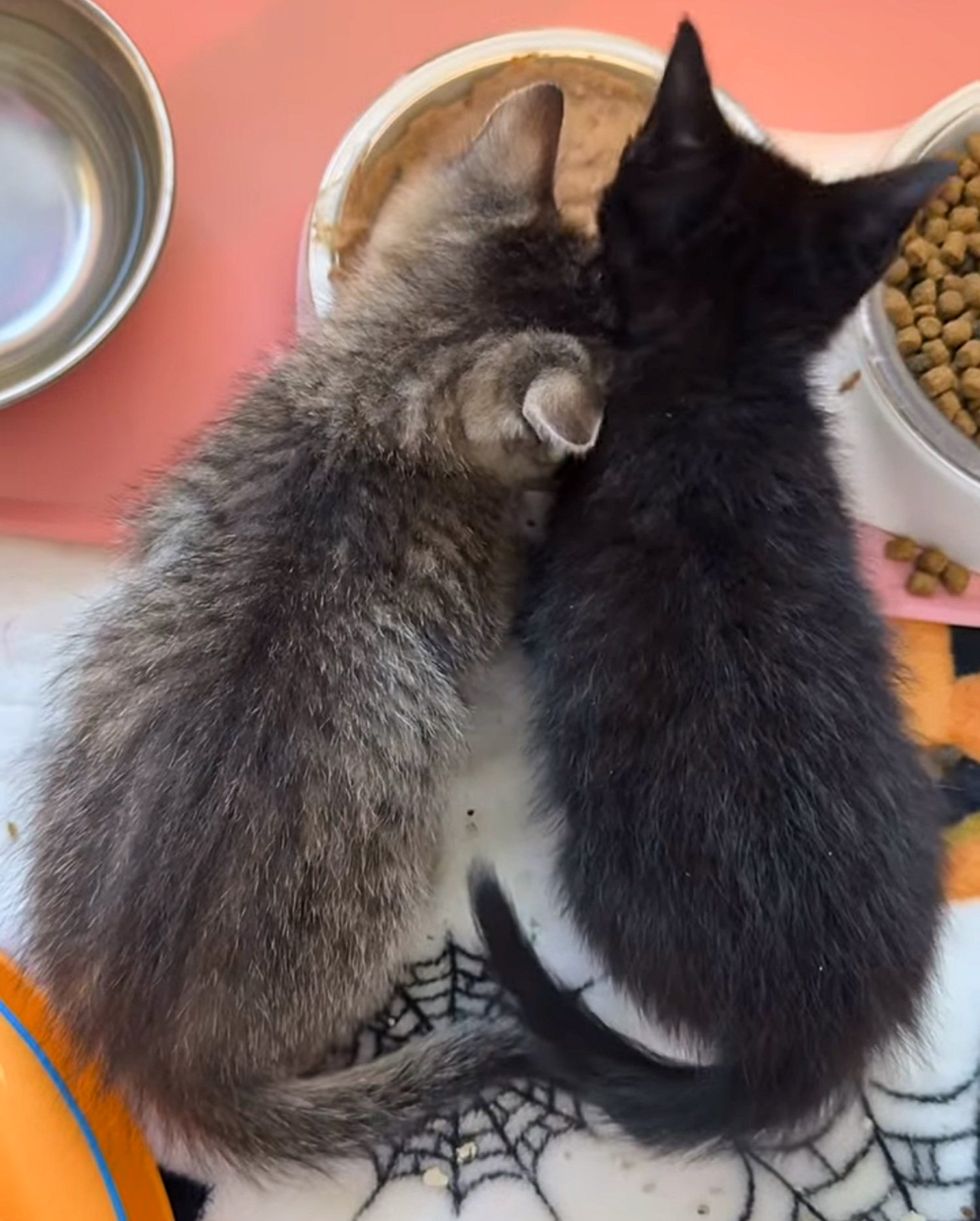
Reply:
x=901, y=548
x=935, y=229
x=954, y=249
x=949, y=304
x=957, y=331
x=929, y=327
x=952, y=189
x=909, y=339
x=971, y=290
x=973, y=244
x=937, y=207
x=972, y=189
x=965, y=423
x=923, y=293
x=918, y=251
x=937, y=381
x=967, y=169
x=931, y=559
x=849, y=382
x=928, y=310
x=922, y=584
x=951, y=281
x=968, y=357
x=897, y=307
x=965, y=218
x=969, y=383
x=936, y=269
x=956, y=578
x=949, y=404
x=898, y=272
x=937, y=352
x=973, y=145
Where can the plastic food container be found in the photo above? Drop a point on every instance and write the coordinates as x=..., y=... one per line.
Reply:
x=440, y=81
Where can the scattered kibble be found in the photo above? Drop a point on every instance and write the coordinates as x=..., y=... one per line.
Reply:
x=932, y=293
x=434, y=1177
x=849, y=382
x=930, y=566
x=466, y=1152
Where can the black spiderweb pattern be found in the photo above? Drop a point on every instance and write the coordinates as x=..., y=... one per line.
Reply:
x=877, y=1162
x=501, y=1136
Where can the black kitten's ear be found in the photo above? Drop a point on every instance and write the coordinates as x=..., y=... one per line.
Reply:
x=871, y=212
x=685, y=115
x=517, y=148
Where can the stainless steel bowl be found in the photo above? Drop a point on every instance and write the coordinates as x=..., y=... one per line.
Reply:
x=439, y=82
x=86, y=185
x=894, y=389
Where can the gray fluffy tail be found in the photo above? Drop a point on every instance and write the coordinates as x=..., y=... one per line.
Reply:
x=317, y=1120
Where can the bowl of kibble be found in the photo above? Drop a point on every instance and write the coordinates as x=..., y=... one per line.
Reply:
x=608, y=82
x=921, y=327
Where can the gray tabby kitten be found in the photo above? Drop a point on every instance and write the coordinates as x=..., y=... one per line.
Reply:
x=240, y=821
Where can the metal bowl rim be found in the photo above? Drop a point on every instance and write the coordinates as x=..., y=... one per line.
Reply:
x=142, y=269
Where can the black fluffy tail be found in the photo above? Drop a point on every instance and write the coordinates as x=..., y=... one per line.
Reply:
x=659, y=1103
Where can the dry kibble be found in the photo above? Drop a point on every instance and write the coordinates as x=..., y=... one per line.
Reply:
x=918, y=251
x=922, y=584
x=954, y=249
x=968, y=168
x=931, y=559
x=898, y=309
x=938, y=380
x=971, y=290
x=969, y=382
x=897, y=272
x=937, y=352
x=928, y=310
x=924, y=293
x=949, y=304
x=952, y=281
x=935, y=230
x=972, y=189
x=909, y=339
x=968, y=357
x=937, y=207
x=956, y=578
x=919, y=363
x=965, y=218
x=965, y=423
x=936, y=269
x=929, y=327
x=949, y=404
x=956, y=332
x=901, y=548
x=973, y=244
x=952, y=189
x=973, y=146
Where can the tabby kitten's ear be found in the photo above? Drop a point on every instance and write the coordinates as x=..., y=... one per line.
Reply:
x=517, y=148
x=564, y=409
x=864, y=218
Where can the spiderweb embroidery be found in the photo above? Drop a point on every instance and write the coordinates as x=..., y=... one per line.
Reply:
x=501, y=1136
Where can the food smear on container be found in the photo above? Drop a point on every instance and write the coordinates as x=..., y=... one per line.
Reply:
x=603, y=110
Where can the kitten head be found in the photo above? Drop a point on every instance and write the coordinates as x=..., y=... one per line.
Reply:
x=703, y=222
x=490, y=297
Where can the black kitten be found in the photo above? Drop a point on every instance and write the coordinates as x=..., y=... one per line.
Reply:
x=747, y=839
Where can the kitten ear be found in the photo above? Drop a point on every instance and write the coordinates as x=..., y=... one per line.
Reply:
x=871, y=212
x=564, y=409
x=517, y=148
x=685, y=115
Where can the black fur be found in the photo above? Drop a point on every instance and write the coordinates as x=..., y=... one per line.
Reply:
x=746, y=839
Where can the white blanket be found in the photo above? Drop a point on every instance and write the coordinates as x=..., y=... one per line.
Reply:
x=526, y=1153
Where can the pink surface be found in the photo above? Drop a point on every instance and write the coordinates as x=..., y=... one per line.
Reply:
x=887, y=579
x=260, y=91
